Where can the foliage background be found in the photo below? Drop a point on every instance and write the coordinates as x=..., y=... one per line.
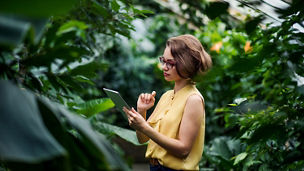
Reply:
x=254, y=92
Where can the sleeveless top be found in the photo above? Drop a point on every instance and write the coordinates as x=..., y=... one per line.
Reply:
x=166, y=119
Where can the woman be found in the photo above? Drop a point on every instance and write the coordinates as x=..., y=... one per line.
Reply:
x=176, y=128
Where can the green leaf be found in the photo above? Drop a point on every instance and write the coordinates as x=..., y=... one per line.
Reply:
x=13, y=30
x=238, y=101
x=83, y=79
x=100, y=9
x=73, y=25
x=36, y=8
x=217, y=8
x=249, y=107
x=95, y=145
x=66, y=53
x=54, y=81
x=147, y=11
x=24, y=138
x=125, y=134
x=70, y=82
x=239, y=158
x=89, y=69
x=252, y=162
x=246, y=64
x=221, y=149
x=56, y=125
x=267, y=132
x=141, y=12
x=115, y=5
x=252, y=24
x=94, y=106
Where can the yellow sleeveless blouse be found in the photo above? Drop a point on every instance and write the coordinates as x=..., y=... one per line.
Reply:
x=166, y=119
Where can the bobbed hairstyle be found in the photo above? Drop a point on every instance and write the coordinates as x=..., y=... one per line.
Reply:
x=190, y=56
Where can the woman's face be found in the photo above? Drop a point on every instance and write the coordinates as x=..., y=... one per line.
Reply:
x=169, y=74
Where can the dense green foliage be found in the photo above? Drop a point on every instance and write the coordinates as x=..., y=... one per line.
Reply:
x=60, y=57
x=268, y=100
x=271, y=118
x=56, y=52
x=42, y=135
x=254, y=92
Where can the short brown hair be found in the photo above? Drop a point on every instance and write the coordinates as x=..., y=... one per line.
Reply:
x=190, y=56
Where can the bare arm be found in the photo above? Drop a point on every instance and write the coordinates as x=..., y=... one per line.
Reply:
x=145, y=101
x=189, y=128
x=142, y=138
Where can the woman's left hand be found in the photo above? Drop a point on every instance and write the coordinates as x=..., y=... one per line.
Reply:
x=135, y=119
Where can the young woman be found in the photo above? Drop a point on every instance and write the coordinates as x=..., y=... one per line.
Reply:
x=176, y=128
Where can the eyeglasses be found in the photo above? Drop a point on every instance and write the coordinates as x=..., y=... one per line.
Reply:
x=169, y=62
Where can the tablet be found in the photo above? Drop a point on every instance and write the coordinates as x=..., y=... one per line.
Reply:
x=117, y=99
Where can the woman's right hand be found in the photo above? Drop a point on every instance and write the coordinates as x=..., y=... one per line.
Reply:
x=145, y=101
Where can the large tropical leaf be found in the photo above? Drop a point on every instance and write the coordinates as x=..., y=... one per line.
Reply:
x=222, y=150
x=24, y=137
x=78, y=157
x=124, y=133
x=30, y=134
x=95, y=143
x=88, y=69
x=94, y=106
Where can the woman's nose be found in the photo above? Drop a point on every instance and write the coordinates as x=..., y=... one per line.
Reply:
x=165, y=68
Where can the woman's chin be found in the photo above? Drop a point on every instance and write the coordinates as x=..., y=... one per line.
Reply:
x=168, y=79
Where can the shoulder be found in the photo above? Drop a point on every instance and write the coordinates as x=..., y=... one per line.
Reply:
x=195, y=98
x=194, y=108
x=195, y=103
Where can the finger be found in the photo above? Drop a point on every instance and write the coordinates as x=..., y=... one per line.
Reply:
x=136, y=114
x=153, y=98
x=153, y=93
x=127, y=112
x=133, y=110
x=129, y=120
x=131, y=114
x=125, y=109
x=142, y=95
x=149, y=98
x=146, y=97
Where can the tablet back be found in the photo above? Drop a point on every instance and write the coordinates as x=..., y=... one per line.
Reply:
x=117, y=99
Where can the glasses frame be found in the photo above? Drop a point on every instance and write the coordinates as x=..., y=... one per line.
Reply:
x=169, y=63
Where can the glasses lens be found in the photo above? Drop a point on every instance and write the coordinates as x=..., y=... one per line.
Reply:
x=162, y=60
x=169, y=66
